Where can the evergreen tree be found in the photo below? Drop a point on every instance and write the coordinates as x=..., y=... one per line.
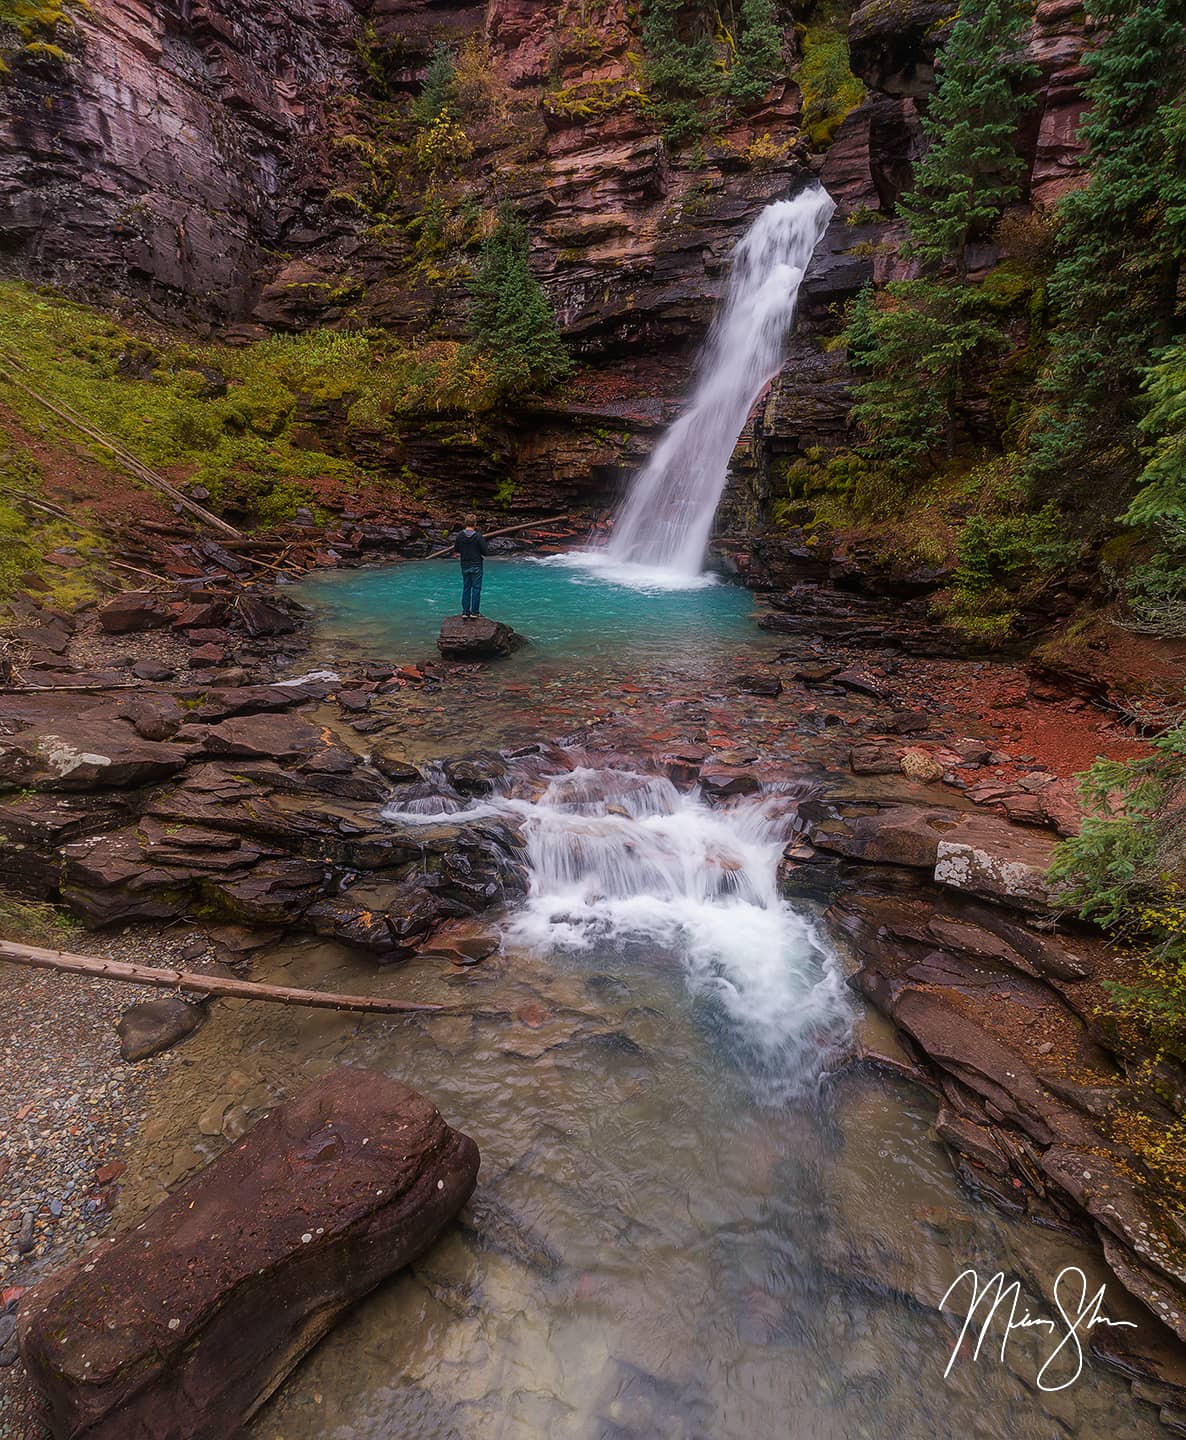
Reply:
x=438, y=91
x=859, y=336
x=513, y=324
x=1114, y=288
x=677, y=38
x=911, y=345
x=972, y=167
x=759, y=53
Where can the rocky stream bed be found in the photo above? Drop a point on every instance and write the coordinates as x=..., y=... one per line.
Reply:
x=216, y=812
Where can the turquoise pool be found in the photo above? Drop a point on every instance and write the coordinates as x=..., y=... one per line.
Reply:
x=566, y=608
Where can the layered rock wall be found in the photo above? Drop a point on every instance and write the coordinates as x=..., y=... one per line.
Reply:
x=181, y=145
x=201, y=159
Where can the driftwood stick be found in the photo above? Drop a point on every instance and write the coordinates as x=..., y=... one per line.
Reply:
x=93, y=686
x=506, y=530
x=38, y=959
x=136, y=570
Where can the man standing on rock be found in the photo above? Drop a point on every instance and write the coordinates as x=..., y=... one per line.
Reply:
x=471, y=546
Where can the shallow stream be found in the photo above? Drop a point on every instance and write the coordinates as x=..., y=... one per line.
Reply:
x=696, y=1218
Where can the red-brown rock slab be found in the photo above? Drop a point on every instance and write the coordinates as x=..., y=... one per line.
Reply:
x=476, y=639
x=134, y=610
x=183, y=1327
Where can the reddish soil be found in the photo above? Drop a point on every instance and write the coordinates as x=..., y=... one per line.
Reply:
x=72, y=478
x=1063, y=733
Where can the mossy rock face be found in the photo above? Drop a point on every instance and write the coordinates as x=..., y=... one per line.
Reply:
x=1006, y=286
x=262, y=427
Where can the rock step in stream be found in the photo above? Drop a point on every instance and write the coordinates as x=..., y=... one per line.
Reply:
x=181, y=1328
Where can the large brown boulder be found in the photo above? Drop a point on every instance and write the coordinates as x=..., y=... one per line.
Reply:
x=476, y=639
x=181, y=1329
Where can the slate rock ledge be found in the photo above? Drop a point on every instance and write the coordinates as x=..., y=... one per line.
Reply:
x=182, y=1328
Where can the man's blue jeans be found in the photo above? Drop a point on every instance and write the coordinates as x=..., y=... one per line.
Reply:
x=471, y=589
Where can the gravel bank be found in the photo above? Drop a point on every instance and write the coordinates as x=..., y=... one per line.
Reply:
x=70, y=1110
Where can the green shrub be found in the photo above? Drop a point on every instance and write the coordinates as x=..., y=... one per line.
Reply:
x=1003, y=549
x=1156, y=591
x=758, y=55
x=1126, y=870
x=693, y=62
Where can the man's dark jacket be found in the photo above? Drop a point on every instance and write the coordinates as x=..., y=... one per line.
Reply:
x=471, y=548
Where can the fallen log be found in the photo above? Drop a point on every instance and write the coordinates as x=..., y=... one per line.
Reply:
x=92, y=686
x=38, y=959
x=506, y=530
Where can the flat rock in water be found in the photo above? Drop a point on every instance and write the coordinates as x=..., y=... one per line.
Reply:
x=476, y=639
x=155, y=1025
x=183, y=1327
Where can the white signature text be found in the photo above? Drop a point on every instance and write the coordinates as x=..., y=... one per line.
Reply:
x=996, y=1301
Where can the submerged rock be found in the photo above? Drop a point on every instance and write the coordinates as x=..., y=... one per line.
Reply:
x=758, y=684
x=155, y=1025
x=183, y=1327
x=476, y=639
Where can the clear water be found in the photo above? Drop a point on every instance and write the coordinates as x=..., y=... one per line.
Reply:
x=624, y=861
x=656, y=1252
x=567, y=610
x=691, y=1222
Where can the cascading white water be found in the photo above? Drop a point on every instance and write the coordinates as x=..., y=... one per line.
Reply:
x=665, y=522
x=623, y=859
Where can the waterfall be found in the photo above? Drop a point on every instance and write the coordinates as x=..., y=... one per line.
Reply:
x=626, y=862
x=666, y=519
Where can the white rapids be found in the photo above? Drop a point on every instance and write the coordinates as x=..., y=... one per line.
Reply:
x=662, y=530
x=626, y=860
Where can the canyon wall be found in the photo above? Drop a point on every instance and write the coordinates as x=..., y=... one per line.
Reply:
x=866, y=169
x=247, y=168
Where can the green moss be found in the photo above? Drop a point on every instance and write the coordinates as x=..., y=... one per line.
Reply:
x=1007, y=285
x=829, y=88
x=167, y=404
x=590, y=99
x=34, y=28
x=28, y=533
x=35, y=922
